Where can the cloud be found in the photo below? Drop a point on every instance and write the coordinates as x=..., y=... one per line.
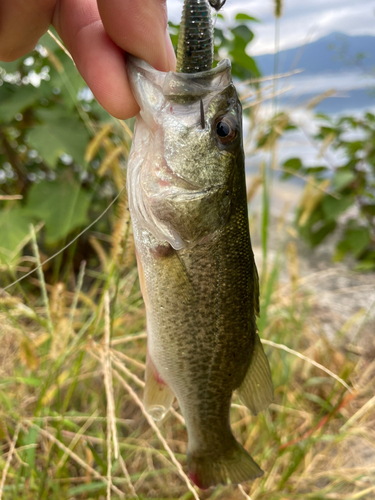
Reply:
x=302, y=21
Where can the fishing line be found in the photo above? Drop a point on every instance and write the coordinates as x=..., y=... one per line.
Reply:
x=70, y=243
x=215, y=18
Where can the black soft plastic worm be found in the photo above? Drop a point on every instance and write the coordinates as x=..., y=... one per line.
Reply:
x=195, y=41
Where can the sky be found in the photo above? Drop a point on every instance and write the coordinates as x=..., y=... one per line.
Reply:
x=302, y=21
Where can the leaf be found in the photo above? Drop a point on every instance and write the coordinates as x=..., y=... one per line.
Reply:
x=354, y=147
x=333, y=207
x=59, y=134
x=30, y=381
x=291, y=164
x=5, y=399
x=370, y=117
x=15, y=99
x=369, y=209
x=30, y=439
x=324, y=230
x=354, y=241
x=14, y=228
x=242, y=59
x=319, y=401
x=245, y=17
x=47, y=142
x=358, y=239
x=366, y=265
x=244, y=33
x=92, y=486
x=342, y=178
x=318, y=381
x=316, y=170
x=62, y=205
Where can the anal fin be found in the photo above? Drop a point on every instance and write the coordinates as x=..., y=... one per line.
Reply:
x=157, y=396
x=256, y=390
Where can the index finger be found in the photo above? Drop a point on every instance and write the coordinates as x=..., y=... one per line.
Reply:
x=98, y=50
x=140, y=27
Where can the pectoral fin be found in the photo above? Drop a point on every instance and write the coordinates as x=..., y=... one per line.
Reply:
x=256, y=390
x=157, y=397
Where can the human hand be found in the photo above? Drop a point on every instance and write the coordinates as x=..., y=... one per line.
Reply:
x=96, y=33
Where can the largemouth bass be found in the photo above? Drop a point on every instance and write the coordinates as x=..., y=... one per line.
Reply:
x=187, y=196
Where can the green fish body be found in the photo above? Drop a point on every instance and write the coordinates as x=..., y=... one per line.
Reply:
x=187, y=198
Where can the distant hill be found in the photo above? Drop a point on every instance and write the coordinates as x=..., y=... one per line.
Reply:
x=330, y=54
x=328, y=63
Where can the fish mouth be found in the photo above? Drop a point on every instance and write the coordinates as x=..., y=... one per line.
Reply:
x=179, y=87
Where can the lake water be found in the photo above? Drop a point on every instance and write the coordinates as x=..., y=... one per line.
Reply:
x=354, y=94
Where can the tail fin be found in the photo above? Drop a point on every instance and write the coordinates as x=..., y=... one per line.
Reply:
x=235, y=465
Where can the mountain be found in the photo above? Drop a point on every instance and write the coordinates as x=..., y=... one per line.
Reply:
x=337, y=61
x=330, y=54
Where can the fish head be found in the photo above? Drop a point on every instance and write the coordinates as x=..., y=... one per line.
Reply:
x=186, y=152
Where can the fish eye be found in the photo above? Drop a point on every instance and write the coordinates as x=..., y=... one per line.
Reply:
x=222, y=129
x=225, y=129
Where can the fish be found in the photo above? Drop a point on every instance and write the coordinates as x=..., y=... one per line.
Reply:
x=198, y=277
